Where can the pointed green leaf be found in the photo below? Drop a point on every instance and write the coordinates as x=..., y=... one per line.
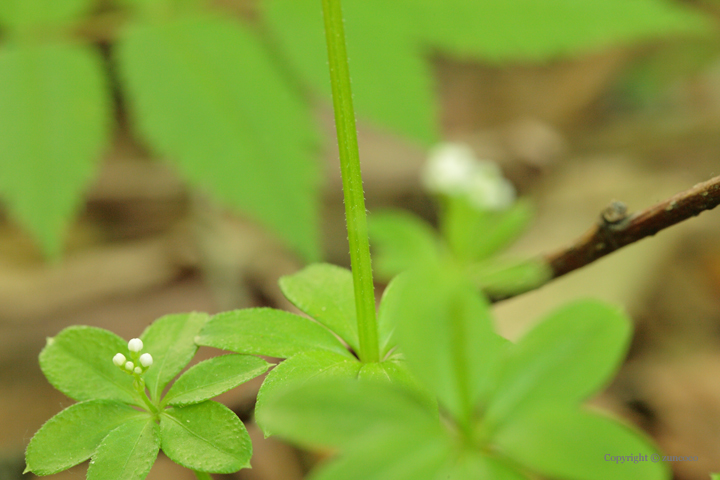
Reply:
x=71, y=436
x=567, y=443
x=527, y=30
x=445, y=331
x=54, y=123
x=267, y=331
x=212, y=377
x=316, y=364
x=341, y=412
x=401, y=240
x=207, y=437
x=565, y=358
x=402, y=100
x=24, y=13
x=127, y=453
x=509, y=276
x=171, y=342
x=206, y=95
x=404, y=455
x=325, y=292
x=78, y=361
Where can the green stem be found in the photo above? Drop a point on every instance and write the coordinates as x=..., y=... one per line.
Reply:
x=202, y=475
x=139, y=384
x=352, y=182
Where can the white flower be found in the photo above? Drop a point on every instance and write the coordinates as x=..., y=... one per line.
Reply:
x=119, y=359
x=146, y=360
x=135, y=345
x=453, y=169
x=448, y=169
x=138, y=370
x=129, y=366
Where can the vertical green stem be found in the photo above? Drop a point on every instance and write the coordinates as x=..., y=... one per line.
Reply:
x=352, y=181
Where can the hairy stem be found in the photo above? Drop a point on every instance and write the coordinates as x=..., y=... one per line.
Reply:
x=352, y=182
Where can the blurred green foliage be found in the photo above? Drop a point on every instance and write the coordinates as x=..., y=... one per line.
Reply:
x=507, y=411
x=207, y=94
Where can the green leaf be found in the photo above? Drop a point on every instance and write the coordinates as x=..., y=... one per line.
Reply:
x=23, y=13
x=473, y=465
x=565, y=358
x=316, y=364
x=715, y=476
x=475, y=234
x=342, y=412
x=508, y=276
x=207, y=437
x=567, y=443
x=402, y=98
x=171, y=342
x=401, y=241
x=404, y=455
x=55, y=115
x=71, y=436
x=390, y=303
x=395, y=371
x=206, y=95
x=127, y=453
x=527, y=30
x=78, y=361
x=500, y=229
x=325, y=292
x=445, y=331
x=266, y=331
x=212, y=377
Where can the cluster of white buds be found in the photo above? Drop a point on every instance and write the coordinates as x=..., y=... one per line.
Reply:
x=453, y=169
x=136, y=364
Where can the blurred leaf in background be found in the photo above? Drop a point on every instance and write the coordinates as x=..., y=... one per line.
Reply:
x=388, y=42
x=205, y=94
x=55, y=114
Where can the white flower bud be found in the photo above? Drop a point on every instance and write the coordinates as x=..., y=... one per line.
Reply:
x=146, y=360
x=135, y=345
x=129, y=366
x=138, y=370
x=119, y=359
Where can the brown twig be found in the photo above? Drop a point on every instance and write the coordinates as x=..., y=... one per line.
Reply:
x=616, y=229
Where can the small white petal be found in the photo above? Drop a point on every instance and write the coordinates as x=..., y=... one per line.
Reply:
x=129, y=366
x=119, y=359
x=135, y=345
x=146, y=360
x=138, y=370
